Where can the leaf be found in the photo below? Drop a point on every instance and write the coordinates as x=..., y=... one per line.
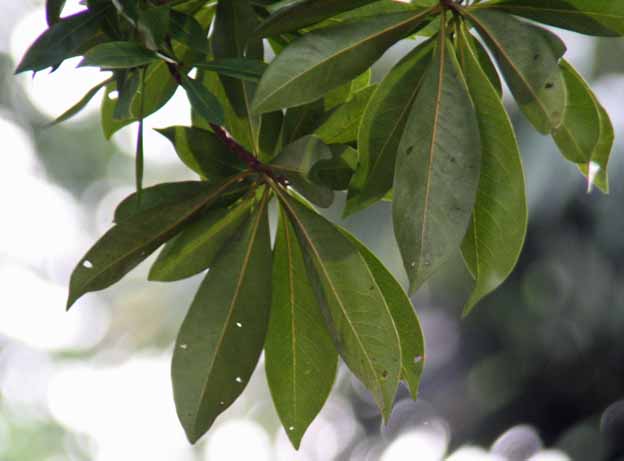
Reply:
x=324, y=59
x=240, y=68
x=154, y=24
x=54, y=8
x=271, y=136
x=600, y=156
x=357, y=314
x=402, y=311
x=295, y=163
x=381, y=127
x=66, y=38
x=203, y=101
x=221, y=338
x=301, y=359
x=130, y=241
x=437, y=172
x=170, y=193
x=590, y=17
x=202, y=152
x=186, y=30
x=336, y=173
x=579, y=133
x=341, y=125
x=305, y=13
x=127, y=89
x=487, y=65
x=499, y=220
x=528, y=58
x=302, y=120
x=194, y=249
x=76, y=108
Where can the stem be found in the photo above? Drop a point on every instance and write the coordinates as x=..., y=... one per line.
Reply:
x=139, y=165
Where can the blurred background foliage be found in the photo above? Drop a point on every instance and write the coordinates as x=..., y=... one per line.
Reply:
x=536, y=372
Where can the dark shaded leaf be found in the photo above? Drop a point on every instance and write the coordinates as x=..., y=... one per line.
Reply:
x=203, y=101
x=241, y=68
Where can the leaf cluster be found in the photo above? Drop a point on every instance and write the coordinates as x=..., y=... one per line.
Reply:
x=433, y=137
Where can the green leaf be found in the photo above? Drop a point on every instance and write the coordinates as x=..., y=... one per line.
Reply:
x=221, y=338
x=301, y=359
x=202, y=152
x=170, y=193
x=128, y=84
x=187, y=30
x=591, y=17
x=337, y=172
x=76, y=108
x=240, y=68
x=295, y=163
x=359, y=317
x=600, y=156
x=195, y=248
x=203, y=101
x=496, y=234
x=437, y=172
x=132, y=240
x=382, y=124
x=341, y=124
x=66, y=38
x=324, y=59
x=405, y=319
x=271, y=136
x=302, y=120
x=54, y=8
x=579, y=133
x=487, y=65
x=305, y=13
x=528, y=58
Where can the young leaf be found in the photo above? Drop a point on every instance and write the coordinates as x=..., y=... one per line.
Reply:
x=202, y=152
x=341, y=125
x=132, y=240
x=528, y=57
x=301, y=358
x=590, y=17
x=76, y=108
x=437, y=169
x=296, y=161
x=194, y=249
x=203, y=101
x=358, y=316
x=381, y=127
x=579, y=133
x=499, y=220
x=405, y=319
x=221, y=338
x=324, y=59
x=66, y=38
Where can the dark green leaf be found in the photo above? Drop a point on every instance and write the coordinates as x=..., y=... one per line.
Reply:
x=195, y=248
x=358, y=316
x=326, y=58
x=301, y=358
x=337, y=172
x=154, y=24
x=243, y=69
x=596, y=170
x=528, y=58
x=118, y=55
x=437, y=169
x=54, y=8
x=591, y=17
x=271, y=136
x=221, y=338
x=382, y=124
x=202, y=152
x=295, y=162
x=496, y=234
x=203, y=101
x=132, y=240
x=127, y=89
x=405, y=319
x=186, y=30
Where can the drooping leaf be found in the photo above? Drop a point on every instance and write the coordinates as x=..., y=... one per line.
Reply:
x=341, y=124
x=76, y=108
x=301, y=359
x=202, y=152
x=295, y=163
x=66, y=38
x=402, y=311
x=203, y=101
x=170, y=193
x=221, y=338
x=382, y=124
x=528, y=58
x=437, y=169
x=326, y=58
x=499, y=220
x=194, y=249
x=132, y=240
x=590, y=17
x=358, y=316
x=579, y=133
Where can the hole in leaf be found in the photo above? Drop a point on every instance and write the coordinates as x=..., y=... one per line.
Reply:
x=418, y=359
x=113, y=95
x=239, y=325
x=291, y=428
x=239, y=379
x=183, y=346
x=87, y=264
x=413, y=264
